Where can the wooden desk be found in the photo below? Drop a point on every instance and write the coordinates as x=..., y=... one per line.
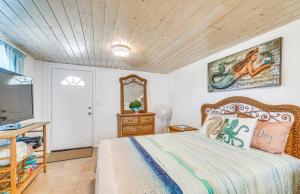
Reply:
x=181, y=128
x=12, y=168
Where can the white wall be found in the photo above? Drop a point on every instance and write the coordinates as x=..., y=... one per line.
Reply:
x=189, y=84
x=106, y=94
x=33, y=69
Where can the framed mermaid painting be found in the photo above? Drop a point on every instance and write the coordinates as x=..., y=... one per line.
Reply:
x=255, y=67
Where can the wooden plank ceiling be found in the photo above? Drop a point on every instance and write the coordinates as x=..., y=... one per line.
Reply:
x=163, y=35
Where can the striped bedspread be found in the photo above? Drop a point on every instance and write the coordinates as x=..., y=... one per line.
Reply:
x=191, y=163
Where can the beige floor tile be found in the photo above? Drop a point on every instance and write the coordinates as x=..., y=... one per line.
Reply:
x=65, y=181
x=88, y=168
x=77, y=161
x=55, y=165
x=43, y=192
x=36, y=187
x=86, y=176
x=70, y=189
x=66, y=177
x=64, y=172
x=83, y=188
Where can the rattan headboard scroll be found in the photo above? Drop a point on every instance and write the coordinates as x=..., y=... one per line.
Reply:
x=264, y=112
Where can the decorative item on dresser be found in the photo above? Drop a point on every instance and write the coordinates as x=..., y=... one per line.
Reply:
x=181, y=128
x=134, y=118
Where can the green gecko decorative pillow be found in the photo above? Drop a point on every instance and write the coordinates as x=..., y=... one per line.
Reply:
x=238, y=131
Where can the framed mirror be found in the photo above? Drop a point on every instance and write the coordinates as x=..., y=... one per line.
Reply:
x=133, y=88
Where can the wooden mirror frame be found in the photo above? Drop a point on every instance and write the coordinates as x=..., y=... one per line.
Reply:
x=135, y=79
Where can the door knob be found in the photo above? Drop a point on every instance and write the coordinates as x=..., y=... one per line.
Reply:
x=90, y=107
x=89, y=113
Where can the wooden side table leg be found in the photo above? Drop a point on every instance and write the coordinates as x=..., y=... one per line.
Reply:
x=13, y=165
x=45, y=148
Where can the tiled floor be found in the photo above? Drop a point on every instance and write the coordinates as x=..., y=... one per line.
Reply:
x=66, y=177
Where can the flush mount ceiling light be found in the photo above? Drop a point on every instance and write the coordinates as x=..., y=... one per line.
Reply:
x=120, y=50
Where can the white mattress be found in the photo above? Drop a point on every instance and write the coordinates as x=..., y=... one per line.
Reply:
x=104, y=173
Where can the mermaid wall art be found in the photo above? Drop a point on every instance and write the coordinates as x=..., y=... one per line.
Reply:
x=259, y=66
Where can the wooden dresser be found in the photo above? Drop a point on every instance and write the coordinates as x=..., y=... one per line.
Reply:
x=131, y=124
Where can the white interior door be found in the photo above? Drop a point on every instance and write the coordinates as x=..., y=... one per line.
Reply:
x=72, y=121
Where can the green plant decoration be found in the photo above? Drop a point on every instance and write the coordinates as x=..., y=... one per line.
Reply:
x=135, y=104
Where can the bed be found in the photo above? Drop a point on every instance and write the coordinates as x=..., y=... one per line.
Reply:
x=191, y=163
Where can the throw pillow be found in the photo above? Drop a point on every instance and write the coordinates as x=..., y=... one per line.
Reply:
x=212, y=126
x=271, y=136
x=225, y=117
x=239, y=131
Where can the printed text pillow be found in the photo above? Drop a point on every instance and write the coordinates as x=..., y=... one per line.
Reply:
x=271, y=136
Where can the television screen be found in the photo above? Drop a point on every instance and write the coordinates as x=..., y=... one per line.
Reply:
x=16, y=97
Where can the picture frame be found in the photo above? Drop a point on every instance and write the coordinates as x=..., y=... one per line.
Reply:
x=256, y=67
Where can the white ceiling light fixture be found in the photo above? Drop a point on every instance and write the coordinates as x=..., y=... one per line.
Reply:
x=120, y=50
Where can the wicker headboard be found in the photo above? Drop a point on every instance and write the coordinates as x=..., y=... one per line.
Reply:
x=248, y=107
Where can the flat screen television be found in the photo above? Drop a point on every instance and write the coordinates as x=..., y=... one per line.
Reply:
x=16, y=97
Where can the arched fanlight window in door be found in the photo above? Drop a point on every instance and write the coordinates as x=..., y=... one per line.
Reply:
x=72, y=81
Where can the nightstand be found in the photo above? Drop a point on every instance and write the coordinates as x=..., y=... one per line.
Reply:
x=180, y=128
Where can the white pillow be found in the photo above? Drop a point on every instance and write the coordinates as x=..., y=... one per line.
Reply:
x=238, y=131
x=212, y=126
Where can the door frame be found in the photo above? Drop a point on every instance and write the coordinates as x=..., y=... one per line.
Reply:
x=50, y=70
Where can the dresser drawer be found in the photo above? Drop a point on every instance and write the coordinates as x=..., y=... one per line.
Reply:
x=127, y=130
x=139, y=129
x=130, y=120
x=146, y=119
x=146, y=128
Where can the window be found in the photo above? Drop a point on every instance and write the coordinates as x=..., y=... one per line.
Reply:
x=72, y=81
x=11, y=58
x=3, y=58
